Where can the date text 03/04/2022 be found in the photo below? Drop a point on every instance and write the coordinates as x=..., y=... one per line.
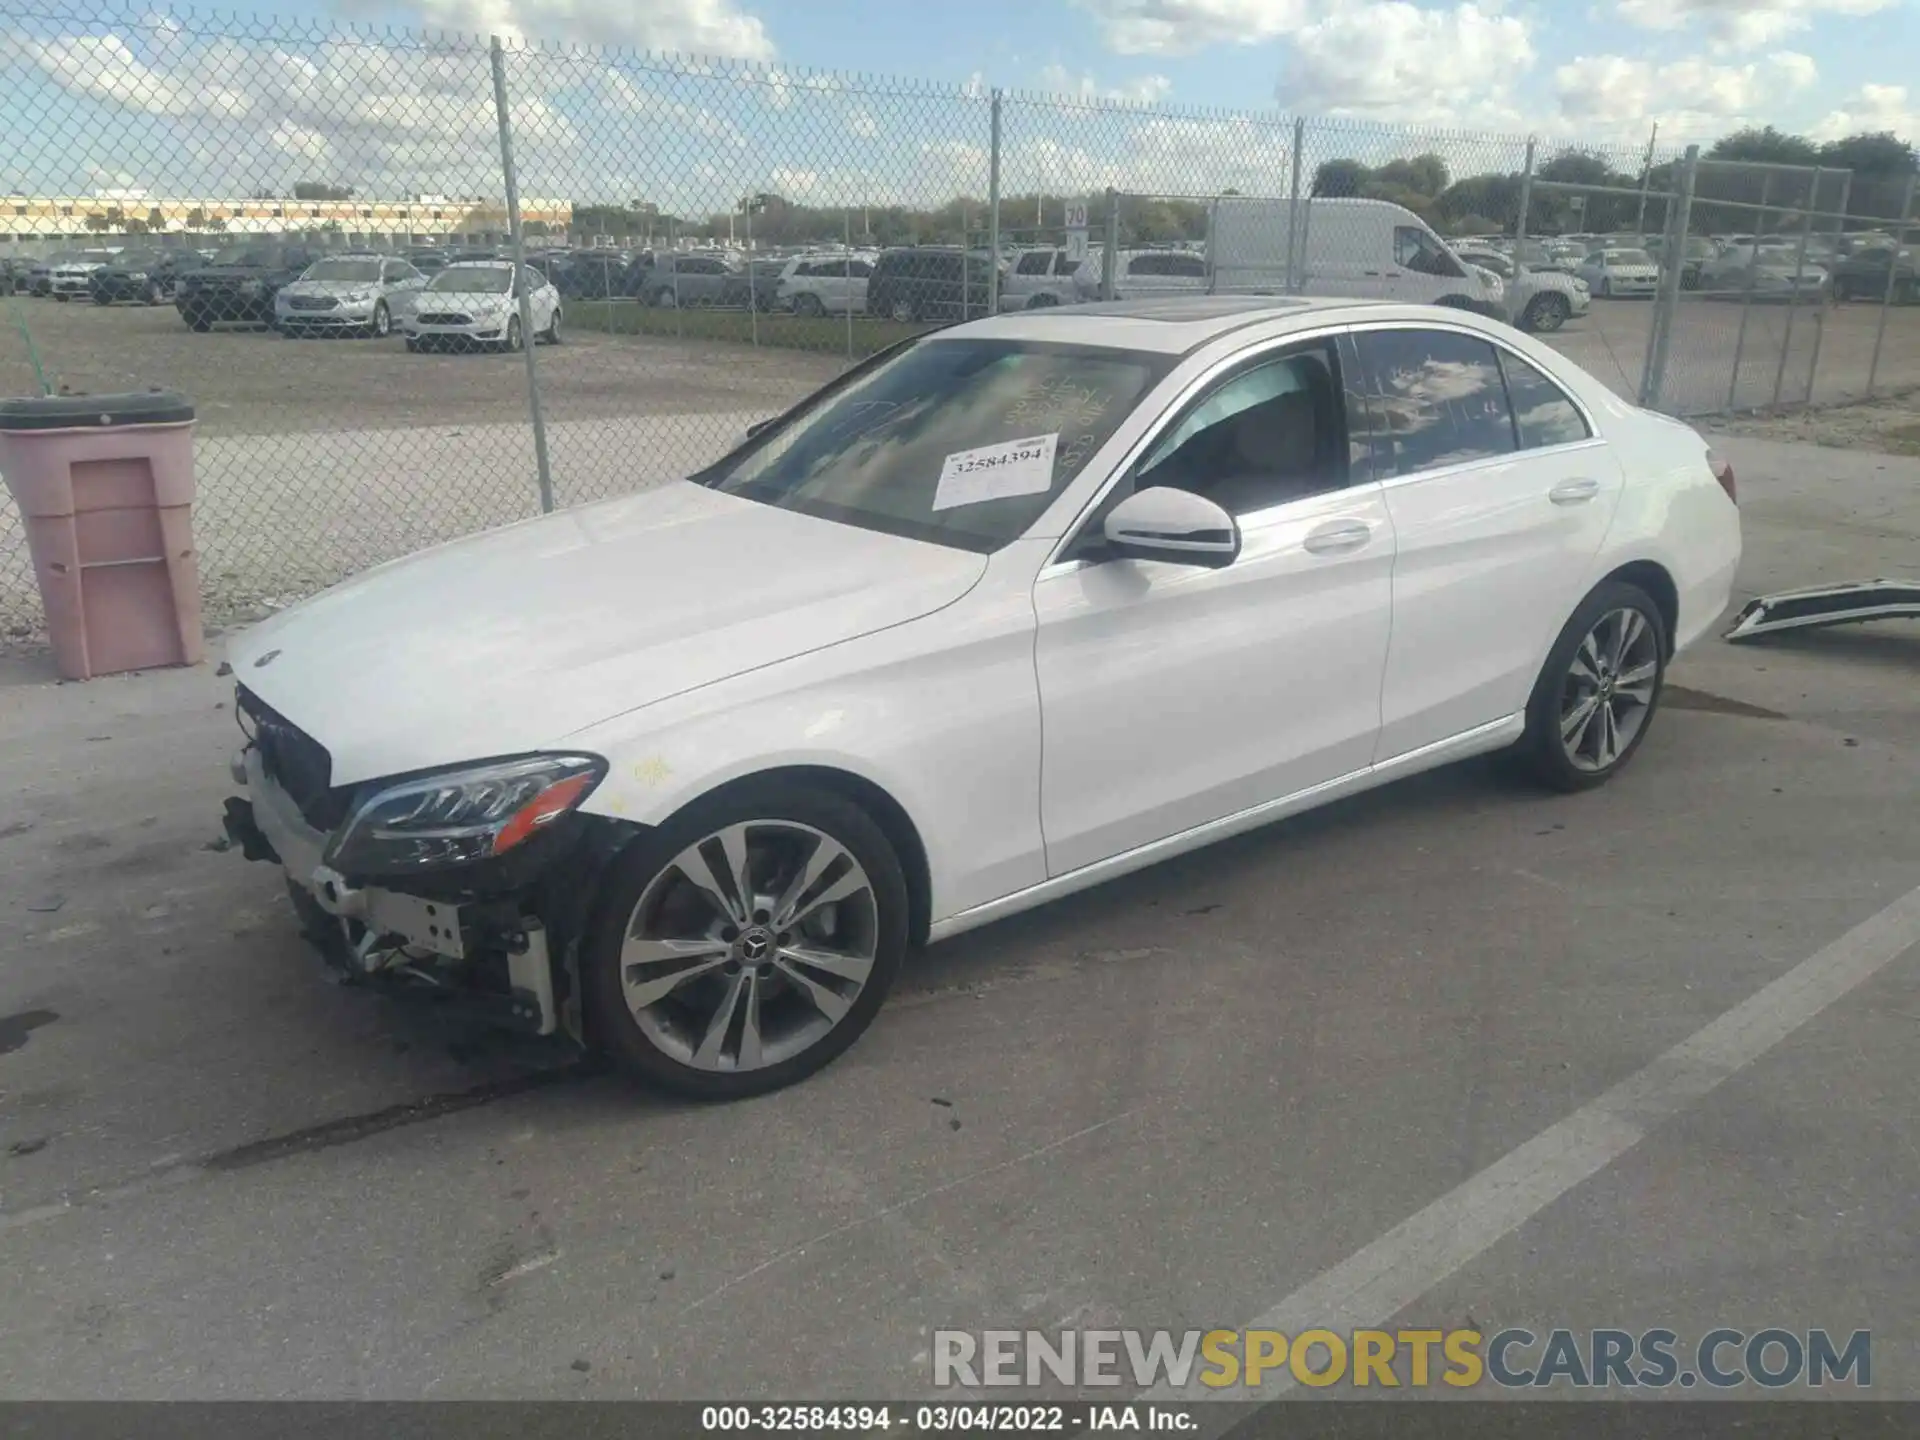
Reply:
x=944, y=1419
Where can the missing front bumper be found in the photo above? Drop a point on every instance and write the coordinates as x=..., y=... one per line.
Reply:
x=1827, y=605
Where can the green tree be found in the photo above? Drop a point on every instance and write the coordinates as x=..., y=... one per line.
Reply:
x=321, y=190
x=1423, y=175
x=1335, y=178
x=1881, y=155
x=1765, y=145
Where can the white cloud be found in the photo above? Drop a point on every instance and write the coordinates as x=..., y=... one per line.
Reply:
x=1871, y=109
x=1144, y=89
x=1178, y=27
x=1741, y=24
x=1396, y=61
x=1608, y=95
x=694, y=27
x=860, y=122
x=245, y=115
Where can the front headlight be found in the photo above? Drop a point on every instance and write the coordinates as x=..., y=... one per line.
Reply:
x=462, y=816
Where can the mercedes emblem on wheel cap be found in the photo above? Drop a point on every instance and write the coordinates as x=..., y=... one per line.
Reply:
x=755, y=945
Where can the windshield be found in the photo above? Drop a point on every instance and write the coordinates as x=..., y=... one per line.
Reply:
x=960, y=442
x=359, y=271
x=474, y=279
x=1628, y=257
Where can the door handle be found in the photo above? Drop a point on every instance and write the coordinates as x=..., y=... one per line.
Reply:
x=1336, y=537
x=1374, y=273
x=1574, y=492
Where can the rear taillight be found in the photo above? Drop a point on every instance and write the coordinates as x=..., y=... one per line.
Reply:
x=1723, y=472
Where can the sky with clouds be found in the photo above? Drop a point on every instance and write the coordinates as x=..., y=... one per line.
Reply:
x=794, y=100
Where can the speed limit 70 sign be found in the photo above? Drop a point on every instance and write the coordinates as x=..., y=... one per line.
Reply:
x=1076, y=217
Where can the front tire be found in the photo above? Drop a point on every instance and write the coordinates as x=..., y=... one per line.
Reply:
x=514, y=339
x=903, y=311
x=1596, y=696
x=413, y=345
x=809, y=306
x=552, y=336
x=1546, y=313
x=747, y=943
x=382, y=321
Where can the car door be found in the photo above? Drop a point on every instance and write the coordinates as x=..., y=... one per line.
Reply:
x=1173, y=696
x=859, y=271
x=1500, y=495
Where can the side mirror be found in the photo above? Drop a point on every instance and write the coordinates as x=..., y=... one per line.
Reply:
x=1176, y=526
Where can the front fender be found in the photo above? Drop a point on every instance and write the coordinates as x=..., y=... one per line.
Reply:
x=941, y=713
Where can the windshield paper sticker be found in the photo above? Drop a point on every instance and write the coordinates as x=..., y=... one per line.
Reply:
x=996, y=472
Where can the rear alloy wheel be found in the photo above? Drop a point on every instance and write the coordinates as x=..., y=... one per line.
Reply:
x=382, y=321
x=747, y=943
x=514, y=339
x=1596, y=695
x=1546, y=313
x=903, y=312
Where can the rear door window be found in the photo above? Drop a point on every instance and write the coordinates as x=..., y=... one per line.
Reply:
x=1438, y=399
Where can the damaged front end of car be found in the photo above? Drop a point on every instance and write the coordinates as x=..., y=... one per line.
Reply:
x=473, y=885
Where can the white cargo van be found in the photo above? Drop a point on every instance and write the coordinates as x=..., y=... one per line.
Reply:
x=1368, y=249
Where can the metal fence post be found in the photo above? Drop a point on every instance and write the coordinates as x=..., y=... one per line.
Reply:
x=1667, y=302
x=1793, y=298
x=1520, y=223
x=1110, y=254
x=848, y=217
x=528, y=341
x=1820, y=314
x=1891, y=292
x=1646, y=174
x=993, y=210
x=1746, y=296
x=1293, y=211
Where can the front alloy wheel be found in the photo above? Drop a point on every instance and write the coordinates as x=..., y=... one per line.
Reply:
x=1597, y=693
x=382, y=321
x=749, y=945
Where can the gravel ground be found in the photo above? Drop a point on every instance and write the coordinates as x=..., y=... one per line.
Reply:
x=1891, y=426
x=318, y=458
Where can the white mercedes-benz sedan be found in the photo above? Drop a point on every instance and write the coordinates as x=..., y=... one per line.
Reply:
x=1005, y=611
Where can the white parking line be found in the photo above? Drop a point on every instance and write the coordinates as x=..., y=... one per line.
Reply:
x=1377, y=1282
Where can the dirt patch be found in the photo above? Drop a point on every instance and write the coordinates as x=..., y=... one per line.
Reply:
x=1890, y=426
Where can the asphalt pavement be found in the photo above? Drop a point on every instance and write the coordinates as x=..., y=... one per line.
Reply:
x=1181, y=1101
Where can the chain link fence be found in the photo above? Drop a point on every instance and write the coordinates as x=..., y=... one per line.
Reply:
x=421, y=284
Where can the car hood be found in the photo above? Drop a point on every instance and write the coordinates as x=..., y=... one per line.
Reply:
x=512, y=640
x=328, y=287
x=459, y=299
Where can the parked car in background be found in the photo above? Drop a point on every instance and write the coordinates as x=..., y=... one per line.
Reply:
x=1540, y=301
x=1039, y=278
x=1615, y=272
x=586, y=274
x=39, y=278
x=360, y=293
x=827, y=284
x=427, y=259
x=74, y=275
x=146, y=277
x=475, y=304
x=930, y=282
x=13, y=273
x=687, y=279
x=1142, y=274
x=1697, y=253
x=756, y=282
x=1878, y=274
x=239, y=289
x=1765, y=270
x=728, y=749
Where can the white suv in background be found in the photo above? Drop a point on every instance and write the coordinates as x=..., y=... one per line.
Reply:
x=1039, y=278
x=1142, y=274
x=833, y=284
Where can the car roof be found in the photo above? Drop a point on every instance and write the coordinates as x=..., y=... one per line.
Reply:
x=1171, y=324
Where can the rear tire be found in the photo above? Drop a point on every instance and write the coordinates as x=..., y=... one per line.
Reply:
x=1597, y=694
x=903, y=312
x=656, y=928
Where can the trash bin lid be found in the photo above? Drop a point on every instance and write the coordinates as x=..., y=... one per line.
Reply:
x=67, y=412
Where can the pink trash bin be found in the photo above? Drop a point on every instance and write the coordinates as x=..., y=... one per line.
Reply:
x=105, y=486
